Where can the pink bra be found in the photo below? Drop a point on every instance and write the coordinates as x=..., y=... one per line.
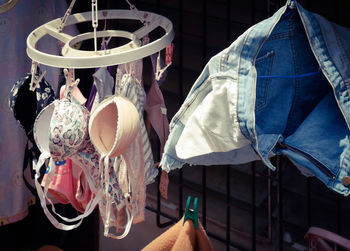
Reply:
x=69, y=185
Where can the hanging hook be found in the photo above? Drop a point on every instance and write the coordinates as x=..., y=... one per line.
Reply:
x=35, y=81
x=94, y=14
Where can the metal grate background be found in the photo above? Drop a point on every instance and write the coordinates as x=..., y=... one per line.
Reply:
x=290, y=203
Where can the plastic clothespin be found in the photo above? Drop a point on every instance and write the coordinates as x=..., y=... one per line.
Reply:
x=137, y=13
x=191, y=214
x=35, y=82
x=71, y=82
x=160, y=71
x=66, y=15
x=105, y=42
x=69, y=75
x=169, y=53
x=168, y=61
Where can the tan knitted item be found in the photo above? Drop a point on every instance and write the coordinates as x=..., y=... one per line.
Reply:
x=181, y=238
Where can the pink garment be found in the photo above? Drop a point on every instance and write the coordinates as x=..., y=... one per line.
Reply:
x=83, y=192
x=69, y=183
x=157, y=115
x=68, y=188
x=155, y=106
x=324, y=240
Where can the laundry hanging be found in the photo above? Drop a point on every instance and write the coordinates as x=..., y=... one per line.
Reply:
x=233, y=116
x=107, y=151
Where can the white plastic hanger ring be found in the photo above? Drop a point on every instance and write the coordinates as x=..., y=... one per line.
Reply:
x=92, y=59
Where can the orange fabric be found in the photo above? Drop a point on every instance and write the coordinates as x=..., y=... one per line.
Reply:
x=181, y=238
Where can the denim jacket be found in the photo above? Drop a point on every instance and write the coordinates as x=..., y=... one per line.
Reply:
x=283, y=87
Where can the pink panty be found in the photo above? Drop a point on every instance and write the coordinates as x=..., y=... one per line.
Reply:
x=68, y=188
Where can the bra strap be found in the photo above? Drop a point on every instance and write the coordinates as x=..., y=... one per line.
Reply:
x=104, y=163
x=43, y=197
x=127, y=226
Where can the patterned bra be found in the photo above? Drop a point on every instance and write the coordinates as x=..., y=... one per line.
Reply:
x=61, y=132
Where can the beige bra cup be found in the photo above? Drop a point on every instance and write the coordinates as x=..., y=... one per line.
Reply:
x=114, y=125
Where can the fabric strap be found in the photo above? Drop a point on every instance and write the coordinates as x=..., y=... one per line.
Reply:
x=43, y=197
x=127, y=227
x=104, y=165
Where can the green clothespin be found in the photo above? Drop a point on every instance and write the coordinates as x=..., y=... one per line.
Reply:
x=191, y=214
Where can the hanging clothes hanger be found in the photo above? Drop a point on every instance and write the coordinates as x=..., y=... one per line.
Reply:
x=8, y=5
x=73, y=58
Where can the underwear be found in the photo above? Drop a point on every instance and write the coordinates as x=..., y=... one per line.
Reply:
x=65, y=122
x=156, y=109
x=69, y=184
x=102, y=87
x=69, y=188
x=104, y=83
x=26, y=105
x=157, y=115
x=113, y=127
x=129, y=84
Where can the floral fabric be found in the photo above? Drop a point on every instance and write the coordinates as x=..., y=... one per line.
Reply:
x=26, y=104
x=68, y=129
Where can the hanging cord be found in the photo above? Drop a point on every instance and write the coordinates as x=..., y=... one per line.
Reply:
x=136, y=12
x=66, y=15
